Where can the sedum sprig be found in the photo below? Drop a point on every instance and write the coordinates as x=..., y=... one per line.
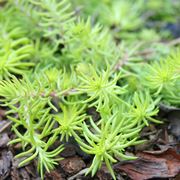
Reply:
x=100, y=88
x=15, y=52
x=160, y=75
x=107, y=141
x=37, y=123
x=15, y=90
x=88, y=42
x=119, y=15
x=69, y=120
x=54, y=16
x=143, y=109
x=162, y=78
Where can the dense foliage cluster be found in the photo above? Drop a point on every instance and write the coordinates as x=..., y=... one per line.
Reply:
x=58, y=58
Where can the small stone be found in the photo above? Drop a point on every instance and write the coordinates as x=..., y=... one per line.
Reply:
x=72, y=165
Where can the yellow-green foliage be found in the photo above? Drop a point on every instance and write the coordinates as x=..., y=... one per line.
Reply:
x=58, y=59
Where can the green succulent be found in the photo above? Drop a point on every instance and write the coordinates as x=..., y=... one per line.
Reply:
x=92, y=71
x=107, y=141
x=143, y=109
x=160, y=76
x=100, y=88
x=70, y=121
x=15, y=52
x=38, y=125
